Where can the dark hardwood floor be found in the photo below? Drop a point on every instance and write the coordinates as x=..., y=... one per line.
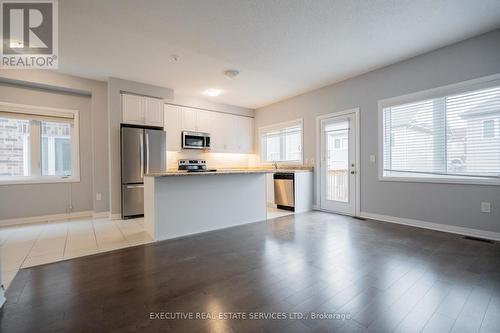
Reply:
x=374, y=276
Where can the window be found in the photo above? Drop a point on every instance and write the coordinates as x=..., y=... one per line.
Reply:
x=38, y=144
x=282, y=142
x=445, y=138
x=488, y=129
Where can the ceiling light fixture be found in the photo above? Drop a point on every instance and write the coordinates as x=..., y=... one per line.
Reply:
x=231, y=73
x=212, y=92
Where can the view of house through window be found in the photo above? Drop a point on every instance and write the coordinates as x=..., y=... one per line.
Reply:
x=56, y=149
x=455, y=136
x=14, y=147
x=36, y=146
x=282, y=143
x=337, y=161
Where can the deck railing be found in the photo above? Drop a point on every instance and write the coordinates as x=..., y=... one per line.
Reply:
x=337, y=185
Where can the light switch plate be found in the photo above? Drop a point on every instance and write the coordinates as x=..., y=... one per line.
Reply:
x=372, y=158
x=98, y=196
x=485, y=207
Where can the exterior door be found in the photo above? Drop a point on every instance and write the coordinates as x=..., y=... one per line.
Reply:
x=338, y=164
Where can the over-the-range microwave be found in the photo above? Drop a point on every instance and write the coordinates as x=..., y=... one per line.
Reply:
x=195, y=140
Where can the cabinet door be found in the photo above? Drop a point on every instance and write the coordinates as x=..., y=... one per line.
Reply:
x=132, y=109
x=230, y=128
x=154, y=112
x=218, y=134
x=245, y=134
x=172, y=125
x=204, y=121
x=188, y=116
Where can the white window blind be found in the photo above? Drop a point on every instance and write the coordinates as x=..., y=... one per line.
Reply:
x=282, y=143
x=455, y=136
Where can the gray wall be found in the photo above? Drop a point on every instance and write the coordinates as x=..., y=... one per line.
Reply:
x=115, y=88
x=45, y=199
x=451, y=204
x=42, y=87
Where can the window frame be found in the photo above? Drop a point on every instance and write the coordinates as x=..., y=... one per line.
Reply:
x=452, y=89
x=278, y=127
x=35, y=140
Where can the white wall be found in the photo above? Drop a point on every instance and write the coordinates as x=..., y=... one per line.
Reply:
x=452, y=204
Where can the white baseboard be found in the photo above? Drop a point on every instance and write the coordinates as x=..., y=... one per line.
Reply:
x=271, y=205
x=434, y=226
x=115, y=216
x=45, y=218
x=101, y=215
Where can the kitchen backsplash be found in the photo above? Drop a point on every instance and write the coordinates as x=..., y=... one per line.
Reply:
x=214, y=160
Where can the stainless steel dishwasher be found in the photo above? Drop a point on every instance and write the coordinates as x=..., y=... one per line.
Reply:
x=284, y=190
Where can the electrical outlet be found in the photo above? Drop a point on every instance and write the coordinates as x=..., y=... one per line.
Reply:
x=485, y=207
x=372, y=158
x=98, y=196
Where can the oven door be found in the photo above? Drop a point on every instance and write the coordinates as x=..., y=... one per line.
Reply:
x=193, y=140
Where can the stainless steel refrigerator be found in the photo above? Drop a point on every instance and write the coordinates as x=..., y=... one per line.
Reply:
x=143, y=150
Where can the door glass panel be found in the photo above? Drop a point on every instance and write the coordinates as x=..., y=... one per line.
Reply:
x=337, y=161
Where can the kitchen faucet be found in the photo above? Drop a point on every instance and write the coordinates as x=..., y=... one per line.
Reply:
x=275, y=165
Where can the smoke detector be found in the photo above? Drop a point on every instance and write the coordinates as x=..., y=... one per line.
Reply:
x=231, y=73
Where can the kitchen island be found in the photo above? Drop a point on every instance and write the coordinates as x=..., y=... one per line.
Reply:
x=178, y=204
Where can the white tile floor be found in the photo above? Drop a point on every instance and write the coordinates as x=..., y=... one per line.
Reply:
x=275, y=212
x=35, y=244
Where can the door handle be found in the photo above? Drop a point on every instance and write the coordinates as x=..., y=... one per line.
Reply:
x=147, y=153
x=141, y=144
x=135, y=186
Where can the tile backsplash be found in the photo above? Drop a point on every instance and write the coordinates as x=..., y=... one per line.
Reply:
x=214, y=160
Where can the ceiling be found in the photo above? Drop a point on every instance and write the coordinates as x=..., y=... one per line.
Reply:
x=281, y=47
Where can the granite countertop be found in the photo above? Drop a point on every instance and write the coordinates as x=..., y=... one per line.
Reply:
x=207, y=173
x=229, y=171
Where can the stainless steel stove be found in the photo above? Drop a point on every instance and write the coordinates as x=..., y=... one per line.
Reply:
x=190, y=165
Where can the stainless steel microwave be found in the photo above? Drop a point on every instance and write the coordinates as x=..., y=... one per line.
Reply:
x=195, y=140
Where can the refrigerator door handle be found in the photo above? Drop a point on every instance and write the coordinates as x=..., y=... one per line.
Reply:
x=147, y=153
x=135, y=186
x=142, y=155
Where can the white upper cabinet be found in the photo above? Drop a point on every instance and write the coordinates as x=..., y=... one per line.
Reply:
x=229, y=133
x=132, y=109
x=140, y=110
x=219, y=135
x=204, y=121
x=173, y=127
x=245, y=134
x=154, y=112
x=188, y=119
